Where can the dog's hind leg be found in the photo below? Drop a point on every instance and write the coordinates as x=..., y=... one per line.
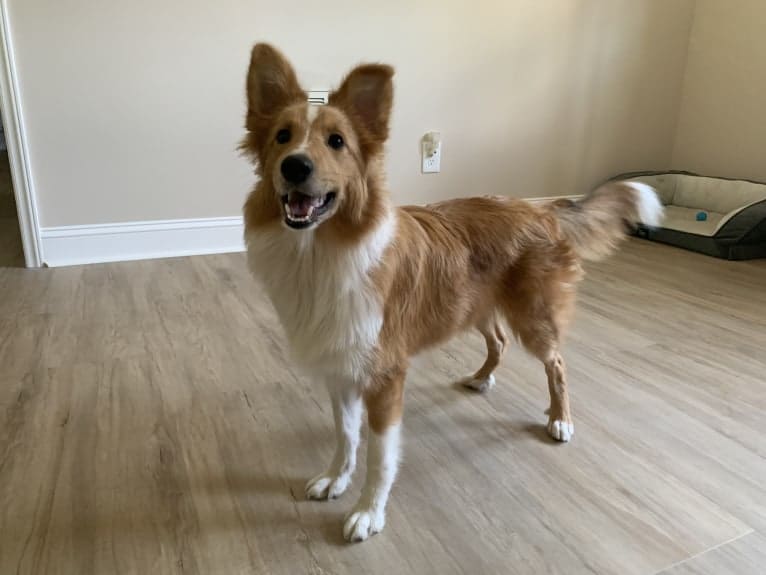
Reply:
x=560, y=426
x=540, y=333
x=538, y=305
x=541, y=337
x=347, y=411
x=497, y=342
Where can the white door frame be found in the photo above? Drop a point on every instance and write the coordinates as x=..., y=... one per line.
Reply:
x=17, y=146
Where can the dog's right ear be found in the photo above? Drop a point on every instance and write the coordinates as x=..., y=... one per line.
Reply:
x=271, y=86
x=367, y=94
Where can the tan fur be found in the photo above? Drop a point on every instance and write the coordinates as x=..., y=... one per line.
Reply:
x=452, y=266
x=596, y=224
x=456, y=265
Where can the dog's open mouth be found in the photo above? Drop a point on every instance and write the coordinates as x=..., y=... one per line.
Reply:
x=302, y=210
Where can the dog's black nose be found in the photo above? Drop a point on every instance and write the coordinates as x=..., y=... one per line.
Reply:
x=297, y=168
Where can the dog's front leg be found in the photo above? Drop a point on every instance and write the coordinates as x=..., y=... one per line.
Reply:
x=383, y=399
x=347, y=411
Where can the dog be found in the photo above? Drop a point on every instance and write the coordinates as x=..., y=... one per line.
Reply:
x=360, y=286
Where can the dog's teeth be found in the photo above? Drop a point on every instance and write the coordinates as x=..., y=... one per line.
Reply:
x=296, y=218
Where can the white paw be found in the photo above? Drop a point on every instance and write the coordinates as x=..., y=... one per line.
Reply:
x=361, y=523
x=480, y=385
x=560, y=430
x=327, y=486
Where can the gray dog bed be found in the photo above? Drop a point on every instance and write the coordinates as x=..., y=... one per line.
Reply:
x=735, y=210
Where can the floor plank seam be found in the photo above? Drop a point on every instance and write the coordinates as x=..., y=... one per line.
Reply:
x=704, y=551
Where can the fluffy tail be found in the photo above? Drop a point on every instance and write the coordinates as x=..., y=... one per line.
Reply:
x=597, y=223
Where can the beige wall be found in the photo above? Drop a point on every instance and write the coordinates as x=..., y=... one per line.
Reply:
x=722, y=122
x=133, y=109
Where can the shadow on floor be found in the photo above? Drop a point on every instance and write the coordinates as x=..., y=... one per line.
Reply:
x=11, y=251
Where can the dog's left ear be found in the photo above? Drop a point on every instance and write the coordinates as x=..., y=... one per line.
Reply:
x=367, y=95
x=271, y=86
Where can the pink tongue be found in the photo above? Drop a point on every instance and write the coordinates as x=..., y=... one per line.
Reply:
x=299, y=204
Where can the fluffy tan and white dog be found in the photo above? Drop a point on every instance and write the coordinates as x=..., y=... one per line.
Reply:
x=360, y=285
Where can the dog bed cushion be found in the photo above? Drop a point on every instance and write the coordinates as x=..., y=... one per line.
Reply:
x=734, y=221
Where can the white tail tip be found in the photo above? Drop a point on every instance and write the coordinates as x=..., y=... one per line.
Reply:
x=649, y=205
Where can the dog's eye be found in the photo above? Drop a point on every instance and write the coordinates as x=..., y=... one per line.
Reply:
x=335, y=141
x=283, y=136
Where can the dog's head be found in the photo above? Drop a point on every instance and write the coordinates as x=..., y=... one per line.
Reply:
x=315, y=162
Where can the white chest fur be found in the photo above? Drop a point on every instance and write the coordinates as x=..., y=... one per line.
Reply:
x=330, y=311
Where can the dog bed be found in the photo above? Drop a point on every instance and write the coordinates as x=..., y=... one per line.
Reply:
x=715, y=216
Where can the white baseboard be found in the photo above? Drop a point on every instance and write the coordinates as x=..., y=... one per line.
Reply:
x=73, y=245
x=99, y=243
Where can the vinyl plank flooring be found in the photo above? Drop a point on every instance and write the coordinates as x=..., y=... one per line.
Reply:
x=743, y=556
x=152, y=423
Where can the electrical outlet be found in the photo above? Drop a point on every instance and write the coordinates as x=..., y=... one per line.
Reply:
x=318, y=97
x=431, y=153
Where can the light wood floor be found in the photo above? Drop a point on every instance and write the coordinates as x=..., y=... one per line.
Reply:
x=151, y=424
